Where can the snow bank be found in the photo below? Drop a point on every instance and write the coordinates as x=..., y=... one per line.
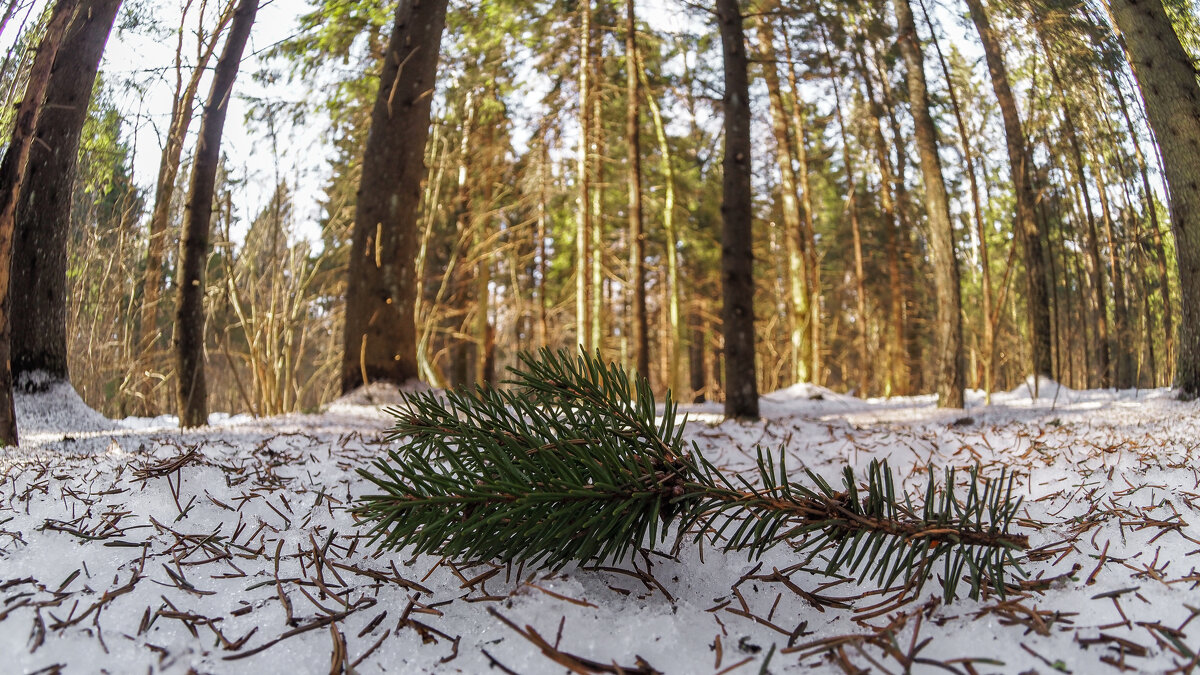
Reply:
x=232, y=549
x=46, y=407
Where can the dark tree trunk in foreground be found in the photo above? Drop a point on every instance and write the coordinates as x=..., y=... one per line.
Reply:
x=1029, y=236
x=39, y=271
x=12, y=171
x=637, y=234
x=192, y=394
x=948, y=328
x=1167, y=79
x=737, y=260
x=380, y=333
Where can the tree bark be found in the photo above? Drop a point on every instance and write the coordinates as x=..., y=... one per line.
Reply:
x=677, y=341
x=948, y=331
x=808, y=242
x=39, y=271
x=896, y=377
x=1148, y=203
x=1096, y=272
x=1167, y=79
x=851, y=210
x=12, y=174
x=1028, y=235
x=164, y=191
x=192, y=391
x=799, y=294
x=583, y=211
x=737, y=260
x=989, y=327
x=637, y=234
x=380, y=333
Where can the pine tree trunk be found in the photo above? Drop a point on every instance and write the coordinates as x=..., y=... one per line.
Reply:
x=798, y=293
x=168, y=170
x=543, y=221
x=192, y=392
x=637, y=234
x=851, y=210
x=808, y=242
x=39, y=271
x=1028, y=235
x=737, y=260
x=12, y=174
x=1092, y=245
x=989, y=328
x=948, y=329
x=1167, y=79
x=1123, y=339
x=896, y=378
x=583, y=210
x=380, y=332
x=1148, y=203
x=596, y=285
x=677, y=341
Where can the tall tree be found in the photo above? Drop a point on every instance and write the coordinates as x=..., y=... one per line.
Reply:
x=1167, y=79
x=380, y=332
x=583, y=229
x=39, y=272
x=183, y=102
x=192, y=391
x=1029, y=235
x=948, y=331
x=794, y=227
x=637, y=234
x=12, y=173
x=737, y=259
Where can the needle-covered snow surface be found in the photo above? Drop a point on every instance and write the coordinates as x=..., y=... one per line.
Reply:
x=129, y=546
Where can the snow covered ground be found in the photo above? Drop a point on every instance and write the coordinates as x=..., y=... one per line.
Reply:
x=129, y=546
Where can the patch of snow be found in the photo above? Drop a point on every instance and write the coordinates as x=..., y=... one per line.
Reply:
x=232, y=548
x=49, y=407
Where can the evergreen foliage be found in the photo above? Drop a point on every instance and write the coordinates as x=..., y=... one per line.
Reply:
x=573, y=464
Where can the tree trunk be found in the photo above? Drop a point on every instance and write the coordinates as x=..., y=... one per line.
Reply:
x=896, y=379
x=1098, y=277
x=596, y=284
x=192, y=393
x=799, y=294
x=164, y=191
x=1148, y=203
x=1123, y=339
x=808, y=246
x=1167, y=79
x=39, y=271
x=851, y=210
x=583, y=211
x=637, y=235
x=12, y=174
x=677, y=341
x=989, y=327
x=1028, y=234
x=948, y=331
x=380, y=333
x=737, y=260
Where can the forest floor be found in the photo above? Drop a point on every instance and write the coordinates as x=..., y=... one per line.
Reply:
x=129, y=546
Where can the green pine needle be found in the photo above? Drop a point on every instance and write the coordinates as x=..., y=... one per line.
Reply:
x=573, y=464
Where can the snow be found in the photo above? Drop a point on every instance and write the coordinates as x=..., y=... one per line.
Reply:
x=132, y=546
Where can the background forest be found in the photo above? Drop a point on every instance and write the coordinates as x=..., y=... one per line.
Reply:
x=938, y=194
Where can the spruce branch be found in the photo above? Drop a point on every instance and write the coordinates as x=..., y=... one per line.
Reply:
x=572, y=463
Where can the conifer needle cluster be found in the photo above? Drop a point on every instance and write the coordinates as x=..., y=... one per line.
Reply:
x=573, y=463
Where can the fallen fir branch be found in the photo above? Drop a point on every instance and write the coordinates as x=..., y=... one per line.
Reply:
x=573, y=464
